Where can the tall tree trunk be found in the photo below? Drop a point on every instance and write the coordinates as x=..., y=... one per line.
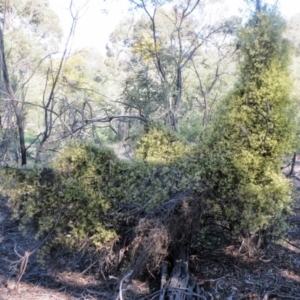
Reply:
x=10, y=91
x=258, y=6
x=177, y=99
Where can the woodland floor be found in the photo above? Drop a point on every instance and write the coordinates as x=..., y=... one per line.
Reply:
x=225, y=274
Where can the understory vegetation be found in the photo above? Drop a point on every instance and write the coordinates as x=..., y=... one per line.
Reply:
x=204, y=144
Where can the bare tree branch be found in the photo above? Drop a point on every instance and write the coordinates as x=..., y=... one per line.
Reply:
x=110, y=118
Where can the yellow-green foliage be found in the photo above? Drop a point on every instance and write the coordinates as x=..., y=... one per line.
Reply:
x=86, y=182
x=254, y=128
x=71, y=187
x=161, y=145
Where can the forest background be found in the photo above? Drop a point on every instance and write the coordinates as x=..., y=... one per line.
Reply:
x=172, y=141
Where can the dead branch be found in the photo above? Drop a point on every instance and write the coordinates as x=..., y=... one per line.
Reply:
x=110, y=118
x=24, y=260
x=292, y=244
x=187, y=292
x=164, y=278
x=121, y=284
x=293, y=164
x=22, y=269
x=45, y=108
x=49, y=104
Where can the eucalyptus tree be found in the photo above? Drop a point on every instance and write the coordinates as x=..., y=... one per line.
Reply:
x=26, y=25
x=166, y=41
x=39, y=82
x=118, y=64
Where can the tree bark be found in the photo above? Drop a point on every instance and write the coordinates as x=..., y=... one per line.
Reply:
x=10, y=91
x=258, y=6
x=181, y=285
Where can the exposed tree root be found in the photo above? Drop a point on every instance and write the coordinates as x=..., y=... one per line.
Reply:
x=161, y=245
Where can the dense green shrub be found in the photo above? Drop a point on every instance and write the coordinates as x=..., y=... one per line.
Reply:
x=69, y=186
x=254, y=128
x=161, y=145
x=86, y=183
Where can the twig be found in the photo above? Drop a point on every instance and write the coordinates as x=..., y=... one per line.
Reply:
x=17, y=168
x=45, y=109
x=24, y=260
x=88, y=268
x=110, y=118
x=285, y=296
x=121, y=284
x=22, y=268
x=292, y=244
x=295, y=177
x=270, y=292
x=164, y=278
x=187, y=291
x=153, y=296
x=293, y=164
x=265, y=117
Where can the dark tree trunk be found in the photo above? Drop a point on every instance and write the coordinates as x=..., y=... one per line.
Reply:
x=163, y=241
x=181, y=285
x=177, y=283
x=258, y=6
x=14, y=103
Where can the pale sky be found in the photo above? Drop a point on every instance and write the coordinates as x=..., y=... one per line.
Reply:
x=95, y=25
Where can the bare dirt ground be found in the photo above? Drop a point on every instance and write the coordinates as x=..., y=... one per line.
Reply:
x=226, y=274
